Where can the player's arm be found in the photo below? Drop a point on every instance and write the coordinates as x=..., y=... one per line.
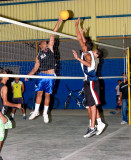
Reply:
x=82, y=35
x=12, y=87
x=79, y=37
x=120, y=98
x=36, y=67
x=87, y=56
x=52, y=38
x=116, y=88
x=5, y=101
x=22, y=87
x=3, y=118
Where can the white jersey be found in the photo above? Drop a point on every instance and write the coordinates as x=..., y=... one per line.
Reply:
x=89, y=72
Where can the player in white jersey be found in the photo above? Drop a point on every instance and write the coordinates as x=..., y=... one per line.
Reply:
x=91, y=85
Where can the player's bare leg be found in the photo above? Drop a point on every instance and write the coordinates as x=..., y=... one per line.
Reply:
x=92, y=129
x=35, y=113
x=46, y=107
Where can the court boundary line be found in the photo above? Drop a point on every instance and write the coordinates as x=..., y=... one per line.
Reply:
x=92, y=144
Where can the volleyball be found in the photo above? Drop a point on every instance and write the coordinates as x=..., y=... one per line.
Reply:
x=64, y=14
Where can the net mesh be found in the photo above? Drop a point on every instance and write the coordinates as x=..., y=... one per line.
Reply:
x=20, y=45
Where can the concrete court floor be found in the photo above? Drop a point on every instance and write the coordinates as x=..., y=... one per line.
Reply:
x=62, y=138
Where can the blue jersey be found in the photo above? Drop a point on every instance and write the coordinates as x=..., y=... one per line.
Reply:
x=89, y=72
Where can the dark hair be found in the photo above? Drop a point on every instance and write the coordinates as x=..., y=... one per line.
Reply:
x=47, y=41
x=123, y=73
x=99, y=53
x=119, y=80
x=89, y=44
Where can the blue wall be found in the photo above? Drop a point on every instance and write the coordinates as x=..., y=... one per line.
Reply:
x=110, y=67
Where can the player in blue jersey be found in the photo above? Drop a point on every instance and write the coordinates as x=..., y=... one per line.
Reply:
x=45, y=62
x=91, y=84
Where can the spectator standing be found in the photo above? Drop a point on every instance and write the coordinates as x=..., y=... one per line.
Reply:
x=124, y=100
x=17, y=89
x=118, y=95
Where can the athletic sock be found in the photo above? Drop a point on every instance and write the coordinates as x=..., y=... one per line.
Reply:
x=45, y=109
x=37, y=106
x=12, y=115
x=99, y=121
x=89, y=122
x=23, y=114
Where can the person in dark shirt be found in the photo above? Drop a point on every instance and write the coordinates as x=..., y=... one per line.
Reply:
x=5, y=123
x=124, y=99
x=118, y=95
x=45, y=63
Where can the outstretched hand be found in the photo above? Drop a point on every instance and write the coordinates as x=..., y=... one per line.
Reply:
x=4, y=119
x=75, y=54
x=26, y=79
x=77, y=21
x=19, y=106
x=60, y=19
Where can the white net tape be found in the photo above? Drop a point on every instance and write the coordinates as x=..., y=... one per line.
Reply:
x=51, y=77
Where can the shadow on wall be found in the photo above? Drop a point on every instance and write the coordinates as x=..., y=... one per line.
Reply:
x=58, y=65
x=102, y=84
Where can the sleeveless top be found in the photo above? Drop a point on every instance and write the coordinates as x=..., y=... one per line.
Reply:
x=89, y=72
x=17, y=89
x=46, y=59
x=3, y=109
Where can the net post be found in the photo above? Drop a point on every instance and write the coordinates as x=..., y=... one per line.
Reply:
x=129, y=104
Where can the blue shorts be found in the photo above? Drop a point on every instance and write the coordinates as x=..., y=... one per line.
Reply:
x=45, y=84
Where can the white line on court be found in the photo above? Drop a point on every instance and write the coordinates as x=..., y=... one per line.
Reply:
x=93, y=144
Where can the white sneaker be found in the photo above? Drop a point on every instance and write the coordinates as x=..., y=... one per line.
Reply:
x=33, y=115
x=123, y=122
x=90, y=132
x=46, y=118
x=100, y=128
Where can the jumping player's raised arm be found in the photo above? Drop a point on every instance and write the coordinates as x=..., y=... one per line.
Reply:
x=52, y=38
x=82, y=35
x=79, y=37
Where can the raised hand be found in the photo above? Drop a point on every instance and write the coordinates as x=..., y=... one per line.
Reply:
x=60, y=19
x=77, y=21
x=75, y=54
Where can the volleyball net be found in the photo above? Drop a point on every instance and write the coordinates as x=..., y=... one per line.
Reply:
x=19, y=45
